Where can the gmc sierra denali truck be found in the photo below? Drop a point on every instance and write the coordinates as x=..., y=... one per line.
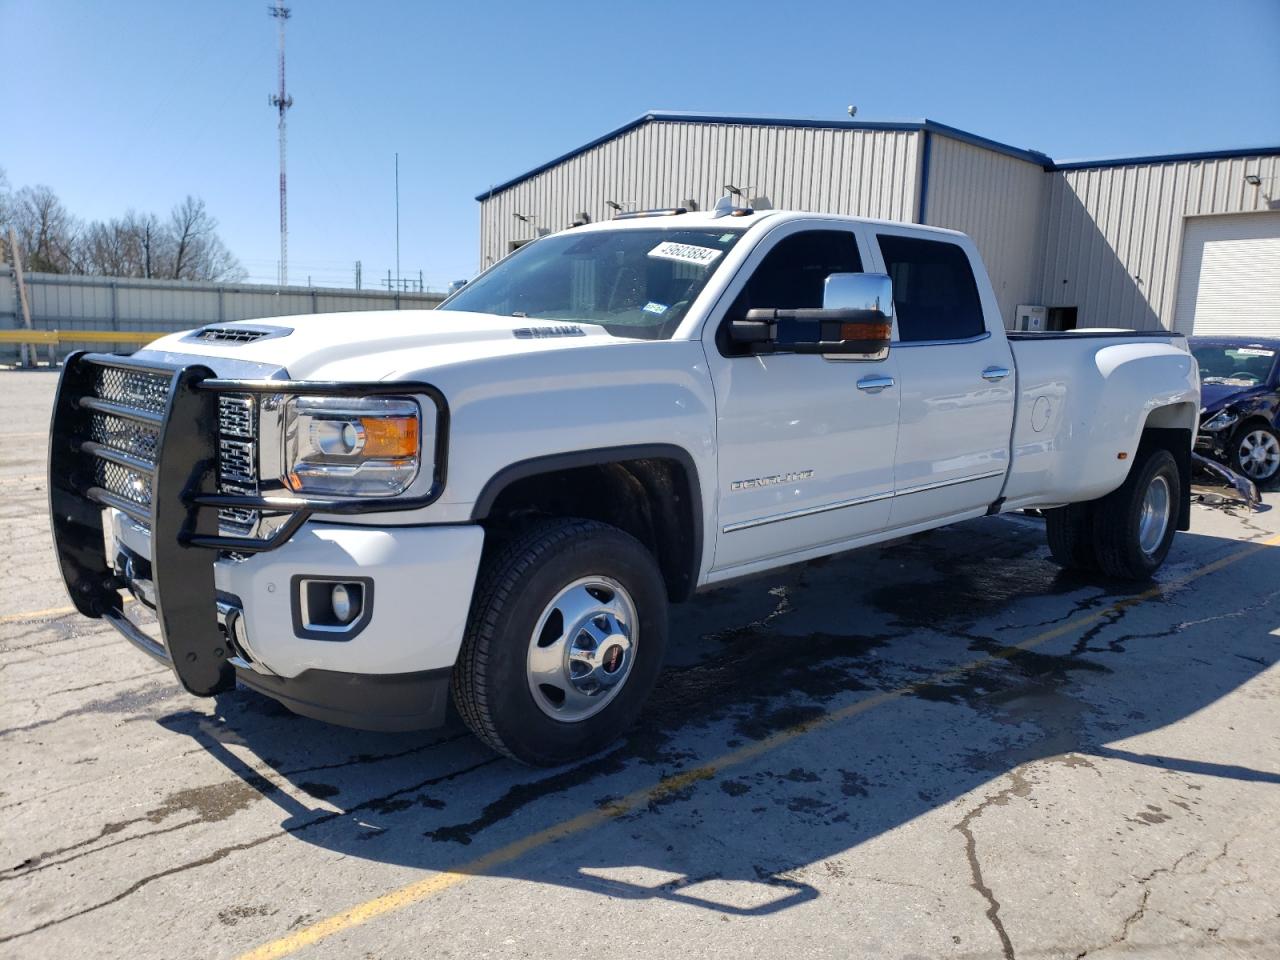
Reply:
x=365, y=515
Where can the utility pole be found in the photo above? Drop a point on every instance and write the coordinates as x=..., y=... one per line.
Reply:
x=282, y=102
x=397, y=218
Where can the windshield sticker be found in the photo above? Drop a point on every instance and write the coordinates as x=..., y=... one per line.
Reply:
x=1254, y=352
x=685, y=253
x=658, y=308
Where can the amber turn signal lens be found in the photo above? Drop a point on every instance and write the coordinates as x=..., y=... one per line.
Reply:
x=865, y=331
x=389, y=437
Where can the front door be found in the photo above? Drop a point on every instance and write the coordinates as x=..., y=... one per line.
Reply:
x=806, y=444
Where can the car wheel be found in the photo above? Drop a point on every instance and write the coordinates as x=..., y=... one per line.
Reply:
x=1255, y=452
x=566, y=638
x=1070, y=533
x=1133, y=526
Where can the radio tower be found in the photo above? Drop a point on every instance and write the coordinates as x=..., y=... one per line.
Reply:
x=282, y=102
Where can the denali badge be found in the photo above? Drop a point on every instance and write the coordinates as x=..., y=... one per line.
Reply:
x=771, y=481
x=540, y=333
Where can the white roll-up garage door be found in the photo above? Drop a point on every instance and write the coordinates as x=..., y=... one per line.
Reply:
x=1229, y=283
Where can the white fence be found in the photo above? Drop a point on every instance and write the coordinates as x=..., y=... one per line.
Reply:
x=61, y=302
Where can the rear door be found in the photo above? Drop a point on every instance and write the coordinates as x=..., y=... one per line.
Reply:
x=806, y=443
x=956, y=379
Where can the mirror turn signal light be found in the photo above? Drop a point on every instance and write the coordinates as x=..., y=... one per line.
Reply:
x=866, y=331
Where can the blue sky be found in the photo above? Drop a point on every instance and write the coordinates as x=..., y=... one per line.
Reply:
x=135, y=104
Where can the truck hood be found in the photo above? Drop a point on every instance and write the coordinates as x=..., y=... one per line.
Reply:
x=373, y=345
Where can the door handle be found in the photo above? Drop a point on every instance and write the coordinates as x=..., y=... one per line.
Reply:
x=993, y=374
x=875, y=384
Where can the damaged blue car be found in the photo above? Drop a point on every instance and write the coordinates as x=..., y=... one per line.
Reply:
x=1240, y=396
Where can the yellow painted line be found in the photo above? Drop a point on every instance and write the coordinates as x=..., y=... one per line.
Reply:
x=50, y=614
x=420, y=890
x=80, y=336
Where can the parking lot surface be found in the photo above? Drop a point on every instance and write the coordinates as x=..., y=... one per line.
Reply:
x=944, y=747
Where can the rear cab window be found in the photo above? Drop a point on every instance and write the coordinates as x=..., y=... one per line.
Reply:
x=935, y=294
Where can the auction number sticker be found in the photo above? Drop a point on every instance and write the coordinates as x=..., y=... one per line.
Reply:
x=1254, y=352
x=685, y=253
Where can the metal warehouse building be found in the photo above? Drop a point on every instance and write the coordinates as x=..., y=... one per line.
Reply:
x=1189, y=242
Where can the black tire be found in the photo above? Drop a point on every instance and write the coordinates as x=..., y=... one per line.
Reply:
x=1237, y=441
x=1117, y=519
x=516, y=583
x=1070, y=533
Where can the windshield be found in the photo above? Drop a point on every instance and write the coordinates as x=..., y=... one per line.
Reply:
x=634, y=283
x=1237, y=366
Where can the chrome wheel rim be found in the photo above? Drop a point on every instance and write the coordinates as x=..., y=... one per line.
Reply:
x=1155, y=515
x=582, y=649
x=1259, y=454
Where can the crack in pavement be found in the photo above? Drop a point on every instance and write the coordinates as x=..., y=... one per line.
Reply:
x=223, y=852
x=1140, y=911
x=1020, y=787
x=1118, y=644
x=262, y=784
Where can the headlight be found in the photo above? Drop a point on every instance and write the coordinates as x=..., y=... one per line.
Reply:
x=1224, y=418
x=369, y=447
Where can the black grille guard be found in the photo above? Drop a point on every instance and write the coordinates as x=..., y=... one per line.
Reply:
x=182, y=512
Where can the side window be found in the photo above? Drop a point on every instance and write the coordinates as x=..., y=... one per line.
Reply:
x=934, y=293
x=792, y=274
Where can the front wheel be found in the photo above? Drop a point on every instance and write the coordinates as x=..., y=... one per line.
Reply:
x=566, y=638
x=1133, y=526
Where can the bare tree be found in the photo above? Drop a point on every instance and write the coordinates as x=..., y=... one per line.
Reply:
x=186, y=247
x=47, y=232
x=6, y=202
x=195, y=252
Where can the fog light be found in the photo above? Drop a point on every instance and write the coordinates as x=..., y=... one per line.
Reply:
x=343, y=608
x=331, y=609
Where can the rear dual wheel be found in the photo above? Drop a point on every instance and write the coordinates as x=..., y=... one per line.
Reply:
x=1126, y=534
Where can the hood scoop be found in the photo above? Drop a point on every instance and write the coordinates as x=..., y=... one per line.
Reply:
x=236, y=334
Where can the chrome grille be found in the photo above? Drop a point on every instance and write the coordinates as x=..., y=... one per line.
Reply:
x=237, y=461
x=235, y=416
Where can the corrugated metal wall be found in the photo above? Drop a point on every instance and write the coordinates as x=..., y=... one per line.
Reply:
x=869, y=173
x=60, y=302
x=1104, y=239
x=1113, y=235
x=997, y=200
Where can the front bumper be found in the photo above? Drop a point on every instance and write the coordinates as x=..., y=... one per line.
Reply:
x=397, y=701
x=141, y=438
x=422, y=579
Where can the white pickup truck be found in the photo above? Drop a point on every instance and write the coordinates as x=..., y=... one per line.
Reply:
x=365, y=515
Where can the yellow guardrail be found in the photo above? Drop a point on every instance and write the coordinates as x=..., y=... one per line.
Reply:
x=57, y=337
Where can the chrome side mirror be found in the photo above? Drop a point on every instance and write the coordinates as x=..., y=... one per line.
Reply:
x=872, y=292
x=855, y=322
